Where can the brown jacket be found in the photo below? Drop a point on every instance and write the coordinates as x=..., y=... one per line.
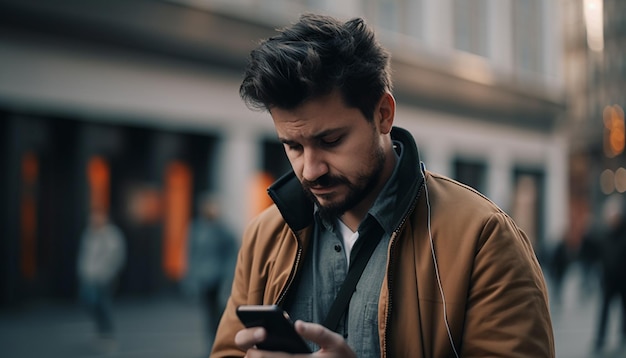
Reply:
x=496, y=300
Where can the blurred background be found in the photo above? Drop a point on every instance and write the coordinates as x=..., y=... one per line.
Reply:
x=133, y=106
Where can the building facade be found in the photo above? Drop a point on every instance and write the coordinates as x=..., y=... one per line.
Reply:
x=133, y=105
x=595, y=77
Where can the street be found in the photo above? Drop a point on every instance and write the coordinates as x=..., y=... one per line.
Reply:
x=163, y=327
x=172, y=327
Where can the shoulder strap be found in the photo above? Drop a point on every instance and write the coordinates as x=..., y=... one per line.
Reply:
x=361, y=256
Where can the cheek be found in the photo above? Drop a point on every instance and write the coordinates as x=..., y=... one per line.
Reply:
x=357, y=157
x=296, y=163
x=348, y=165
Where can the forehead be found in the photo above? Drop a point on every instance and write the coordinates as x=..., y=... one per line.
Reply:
x=314, y=116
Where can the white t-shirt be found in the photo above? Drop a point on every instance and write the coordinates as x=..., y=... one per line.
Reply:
x=349, y=238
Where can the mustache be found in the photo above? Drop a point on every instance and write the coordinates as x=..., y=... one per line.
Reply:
x=324, y=181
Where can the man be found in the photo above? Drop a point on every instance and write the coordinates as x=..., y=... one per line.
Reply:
x=451, y=274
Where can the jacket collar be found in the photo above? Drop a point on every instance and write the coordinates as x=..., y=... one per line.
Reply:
x=297, y=209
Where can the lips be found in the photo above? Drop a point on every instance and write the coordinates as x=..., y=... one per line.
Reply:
x=322, y=190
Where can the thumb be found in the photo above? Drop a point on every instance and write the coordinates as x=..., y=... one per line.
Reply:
x=322, y=336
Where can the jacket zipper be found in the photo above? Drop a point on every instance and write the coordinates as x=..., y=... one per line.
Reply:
x=390, y=273
x=292, y=275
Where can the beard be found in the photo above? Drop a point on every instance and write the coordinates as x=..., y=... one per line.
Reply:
x=357, y=190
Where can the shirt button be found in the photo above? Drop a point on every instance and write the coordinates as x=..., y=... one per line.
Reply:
x=338, y=248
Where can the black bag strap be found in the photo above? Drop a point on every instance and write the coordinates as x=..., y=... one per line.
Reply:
x=360, y=256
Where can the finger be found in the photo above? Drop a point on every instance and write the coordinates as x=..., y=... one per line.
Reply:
x=247, y=338
x=319, y=334
x=258, y=353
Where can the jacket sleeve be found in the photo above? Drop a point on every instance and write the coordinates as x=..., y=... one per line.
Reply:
x=507, y=310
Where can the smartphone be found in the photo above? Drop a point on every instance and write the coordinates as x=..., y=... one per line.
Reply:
x=281, y=334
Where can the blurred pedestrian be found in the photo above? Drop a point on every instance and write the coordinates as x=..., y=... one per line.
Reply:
x=569, y=252
x=589, y=259
x=559, y=263
x=613, y=261
x=101, y=256
x=212, y=250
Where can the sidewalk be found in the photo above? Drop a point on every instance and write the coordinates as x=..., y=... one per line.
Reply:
x=575, y=321
x=159, y=328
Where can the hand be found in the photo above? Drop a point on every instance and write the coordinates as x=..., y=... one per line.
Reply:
x=331, y=344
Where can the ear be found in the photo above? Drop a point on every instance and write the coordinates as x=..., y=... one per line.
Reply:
x=385, y=112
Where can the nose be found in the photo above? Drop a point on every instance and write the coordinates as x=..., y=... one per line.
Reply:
x=314, y=165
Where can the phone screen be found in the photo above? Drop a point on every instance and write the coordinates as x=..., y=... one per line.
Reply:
x=281, y=335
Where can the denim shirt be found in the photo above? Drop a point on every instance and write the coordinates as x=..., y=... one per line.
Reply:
x=325, y=269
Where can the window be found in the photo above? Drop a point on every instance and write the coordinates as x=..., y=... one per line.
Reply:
x=528, y=207
x=470, y=26
x=471, y=172
x=401, y=16
x=527, y=35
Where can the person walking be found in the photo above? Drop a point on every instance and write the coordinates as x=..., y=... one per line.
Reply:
x=613, y=265
x=441, y=271
x=101, y=257
x=212, y=250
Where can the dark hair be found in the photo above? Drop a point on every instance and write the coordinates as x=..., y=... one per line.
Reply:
x=312, y=58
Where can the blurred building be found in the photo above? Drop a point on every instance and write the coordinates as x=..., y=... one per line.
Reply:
x=595, y=77
x=133, y=105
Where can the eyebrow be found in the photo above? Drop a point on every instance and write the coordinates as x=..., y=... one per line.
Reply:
x=317, y=136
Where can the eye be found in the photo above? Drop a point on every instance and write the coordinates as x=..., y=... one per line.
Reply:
x=331, y=142
x=293, y=146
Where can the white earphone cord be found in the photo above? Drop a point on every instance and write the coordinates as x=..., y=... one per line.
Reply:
x=432, y=250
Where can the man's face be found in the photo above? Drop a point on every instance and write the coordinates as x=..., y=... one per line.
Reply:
x=335, y=152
